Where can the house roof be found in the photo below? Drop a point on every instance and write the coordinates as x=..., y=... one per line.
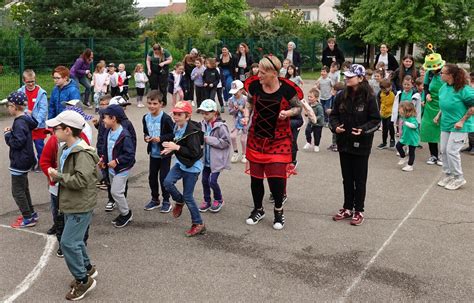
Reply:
x=150, y=12
x=175, y=8
x=270, y=4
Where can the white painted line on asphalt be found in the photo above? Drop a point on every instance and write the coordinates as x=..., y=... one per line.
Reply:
x=35, y=273
x=357, y=280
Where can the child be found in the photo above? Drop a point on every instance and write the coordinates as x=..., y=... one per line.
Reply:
x=125, y=76
x=118, y=155
x=236, y=109
x=22, y=157
x=373, y=82
x=336, y=89
x=37, y=108
x=407, y=95
x=216, y=155
x=157, y=128
x=140, y=81
x=314, y=129
x=254, y=71
x=292, y=76
x=101, y=130
x=188, y=151
x=345, y=67
x=115, y=81
x=211, y=78
x=386, y=98
x=76, y=176
x=100, y=81
x=196, y=76
x=76, y=106
x=410, y=135
x=324, y=85
x=334, y=73
x=284, y=68
x=420, y=90
x=176, y=83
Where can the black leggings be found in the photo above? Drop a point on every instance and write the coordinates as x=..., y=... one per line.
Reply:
x=433, y=149
x=354, y=170
x=411, y=152
x=387, y=127
x=277, y=188
x=220, y=97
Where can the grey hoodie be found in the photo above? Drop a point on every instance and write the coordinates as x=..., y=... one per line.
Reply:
x=219, y=144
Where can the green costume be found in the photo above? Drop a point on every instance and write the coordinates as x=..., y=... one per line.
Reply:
x=430, y=132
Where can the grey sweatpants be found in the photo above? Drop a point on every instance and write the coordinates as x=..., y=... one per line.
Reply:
x=21, y=195
x=117, y=189
x=451, y=145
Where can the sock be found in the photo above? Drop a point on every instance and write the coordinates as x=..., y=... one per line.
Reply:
x=89, y=267
x=83, y=280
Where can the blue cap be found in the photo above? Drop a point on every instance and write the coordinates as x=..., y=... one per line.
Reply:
x=356, y=70
x=18, y=98
x=115, y=111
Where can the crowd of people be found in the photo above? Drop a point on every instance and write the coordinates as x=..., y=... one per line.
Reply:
x=434, y=104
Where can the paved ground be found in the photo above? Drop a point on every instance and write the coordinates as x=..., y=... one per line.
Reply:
x=416, y=244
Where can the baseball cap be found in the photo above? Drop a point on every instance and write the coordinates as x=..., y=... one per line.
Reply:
x=356, y=70
x=236, y=86
x=119, y=100
x=69, y=118
x=114, y=110
x=208, y=105
x=183, y=107
x=74, y=102
x=17, y=98
x=111, y=65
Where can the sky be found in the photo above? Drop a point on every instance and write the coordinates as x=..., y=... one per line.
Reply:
x=143, y=3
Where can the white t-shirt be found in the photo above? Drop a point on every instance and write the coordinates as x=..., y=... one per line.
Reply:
x=243, y=61
x=384, y=59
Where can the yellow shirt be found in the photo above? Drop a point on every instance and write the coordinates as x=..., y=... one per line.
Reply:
x=386, y=104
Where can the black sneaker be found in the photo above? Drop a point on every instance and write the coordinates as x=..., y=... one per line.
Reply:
x=255, y=216
x=122, y=221
x=279, y=220
x=52, y=230
x=115, y=220
x=392, y=143
x=59, y=253
x=382, y=146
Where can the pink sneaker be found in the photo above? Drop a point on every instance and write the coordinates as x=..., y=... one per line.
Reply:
x=204, y=206
x=358, y=218
x=342, y=214
x=216, y=206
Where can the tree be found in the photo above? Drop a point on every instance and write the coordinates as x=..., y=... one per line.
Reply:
x=80, y=19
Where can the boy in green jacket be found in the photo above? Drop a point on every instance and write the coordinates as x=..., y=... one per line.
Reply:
x=76, y=176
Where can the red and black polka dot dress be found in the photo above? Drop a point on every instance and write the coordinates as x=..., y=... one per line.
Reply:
x=269, y=139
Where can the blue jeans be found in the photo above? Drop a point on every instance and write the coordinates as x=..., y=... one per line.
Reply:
x=209, y=180
x=189, y=181
x=87, y=85
x=39, y=145
x=72, y=243
x=227, y=83
x=327, y=104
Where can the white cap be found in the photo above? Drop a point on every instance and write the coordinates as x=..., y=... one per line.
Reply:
x=73, y=102
x=236, y=86
x=118, y=100
x=69, y=118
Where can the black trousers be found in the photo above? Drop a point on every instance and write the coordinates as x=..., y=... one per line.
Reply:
x=114, y=91
x=433, y=149
x=161, y=167
x=159, y=81
x=189, y=93
x=220, y=96
x=210, y=92
x=315, y=131
x=295, y=123
x=21, y=195
x=354, y=170
x=387, y=127
x=200, y=95
x=277, y=188
x=411, y=152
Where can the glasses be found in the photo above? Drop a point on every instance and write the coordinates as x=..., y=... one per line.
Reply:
x=57, y=128
x=56, y=78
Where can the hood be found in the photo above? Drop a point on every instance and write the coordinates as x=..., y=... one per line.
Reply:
x=69, y=85
x=30, y=121
x=193, y=126
x=83, y=146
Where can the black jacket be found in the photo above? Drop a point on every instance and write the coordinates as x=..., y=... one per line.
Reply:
x=182, y=83
x=166, y=130
x=357, y=111
x=397, y=82
x=22, y=156
x=328, y=54
x=211, y=76
x=392, y=62
x=296, y=60
x=123, y=151
x=248, y=61
x=102, y=131
x=190, y=144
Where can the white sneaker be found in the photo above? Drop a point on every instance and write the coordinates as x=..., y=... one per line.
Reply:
x=408, y=168
x=307, y=146
x=316, y=149
x=432, y=160
x=455, y=183
x=235, y=158
x=243, y=160
x=445, y=180
x=439, y=162
x=402, y=161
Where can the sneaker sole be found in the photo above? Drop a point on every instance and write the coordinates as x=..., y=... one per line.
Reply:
x=59, y=256
x=94, y=283
x=204, y=210
x=166, y=211
x=251, y=222
x=95, y=274
x=217, y=209
x=202, y=232
x=279, y=226
x=357, y=224
x=151, y=208
x=454, y=188
x=125, y=224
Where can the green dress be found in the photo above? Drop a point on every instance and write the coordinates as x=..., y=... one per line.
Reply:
x=410, y=136
x=430, y=132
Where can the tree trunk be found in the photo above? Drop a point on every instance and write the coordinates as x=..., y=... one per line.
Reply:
x=371, y=55
x=410, y=48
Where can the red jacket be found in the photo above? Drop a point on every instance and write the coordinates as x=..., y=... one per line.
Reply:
x=49, y=156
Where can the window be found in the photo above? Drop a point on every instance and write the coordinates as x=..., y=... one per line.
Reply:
x=307, y=15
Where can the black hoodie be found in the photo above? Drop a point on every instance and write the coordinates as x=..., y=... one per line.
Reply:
x=22, y=155
x=190, y=144
x=329, y=54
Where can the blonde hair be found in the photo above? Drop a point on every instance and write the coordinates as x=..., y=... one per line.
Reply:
x=99, y=66
x=211, y=62
x=314, y=91
x=29, y=73
x=408, y=109
x=137, y=67
x=270, y=63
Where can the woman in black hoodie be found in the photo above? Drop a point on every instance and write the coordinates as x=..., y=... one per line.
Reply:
x=332, y=53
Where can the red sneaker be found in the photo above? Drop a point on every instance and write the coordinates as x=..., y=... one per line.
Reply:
x=196, y=229
x=358, y=218
x=177, y=210
x=342, y=214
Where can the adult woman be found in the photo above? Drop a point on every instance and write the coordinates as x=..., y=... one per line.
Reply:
x=430, y=131
x=81, y=73
x=384, y=56
x=354, y=118
x=226, y=64
x=456, y=102
x=272, y=101
x=157, y=63
x=243, y=61
x=189, y=64
x=293, y=55
x=332, y=53
x=407, y=68
x=65, y=89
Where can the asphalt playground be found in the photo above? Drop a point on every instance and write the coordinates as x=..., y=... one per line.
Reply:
x=416, y=244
